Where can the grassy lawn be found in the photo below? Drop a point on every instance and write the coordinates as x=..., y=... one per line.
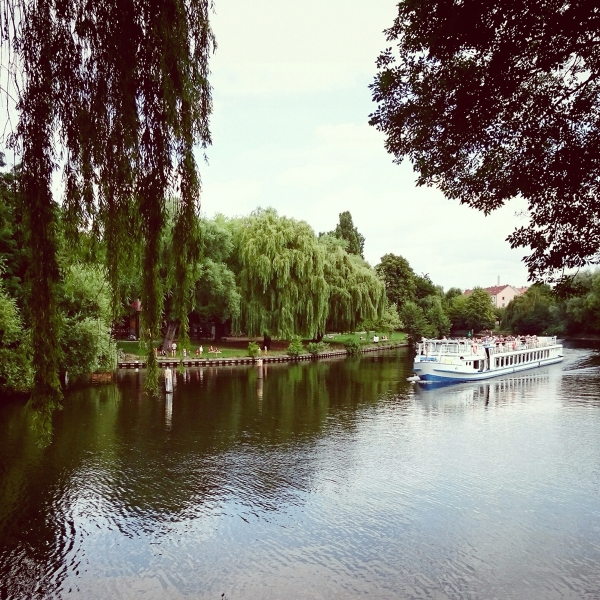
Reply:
x=367, y=338
x=134, y=349
x=229, y=349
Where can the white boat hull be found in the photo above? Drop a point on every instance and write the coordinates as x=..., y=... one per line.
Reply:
x=437, y=372
x=453, y=361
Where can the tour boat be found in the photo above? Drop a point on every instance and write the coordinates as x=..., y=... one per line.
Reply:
x=474, y=360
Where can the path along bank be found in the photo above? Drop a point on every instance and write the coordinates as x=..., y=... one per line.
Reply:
x=247, y=360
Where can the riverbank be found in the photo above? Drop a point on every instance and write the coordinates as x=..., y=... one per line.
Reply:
x=247, y=360
x=589, y=337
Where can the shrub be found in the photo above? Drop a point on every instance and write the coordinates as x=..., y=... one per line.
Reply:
x=253, y=349
x=315, y=348
x=295, y=348
x=15, y=348
x=352, y=347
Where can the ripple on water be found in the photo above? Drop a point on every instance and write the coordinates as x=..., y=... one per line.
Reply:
x=340, y=480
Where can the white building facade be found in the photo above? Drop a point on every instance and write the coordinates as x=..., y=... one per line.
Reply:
x=501, y=295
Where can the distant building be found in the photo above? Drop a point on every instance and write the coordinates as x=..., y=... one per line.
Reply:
x=501, y=294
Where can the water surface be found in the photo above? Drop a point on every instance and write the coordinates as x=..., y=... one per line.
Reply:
x=336, y=479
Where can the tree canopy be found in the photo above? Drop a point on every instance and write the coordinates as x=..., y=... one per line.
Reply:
x=345, y=230
x=530, y=313
x=492, y=101
x=120, y=91
x=356, y=294
x=479, y=310
x=399, y=279
x=281, y=277
x=15, y=346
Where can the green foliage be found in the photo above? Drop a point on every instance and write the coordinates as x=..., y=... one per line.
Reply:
x=16, y=374
x=85, y=305
x=216, y=296
x=13, y=252
x=87, y=347
x=415, y=323
x=424, y=286
x=389, y=321
x=531, y=313
x=281, y=278
x=581, y=312
x=457, y=312
x=253, y=349
x=316, y=348
x=356, y=293
x=126, y=95
x=345, y=230
x=493, y=104
x=437, y=318
x=399, y=278
x=352, y=346
x=479, y=310
x=452, y=293
x=295, y=347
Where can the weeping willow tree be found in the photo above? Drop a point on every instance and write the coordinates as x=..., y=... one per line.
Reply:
x=281, y=276
x=356, y=294
x=116, y=94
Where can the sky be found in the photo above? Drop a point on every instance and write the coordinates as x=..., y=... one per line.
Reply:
x=290, y=131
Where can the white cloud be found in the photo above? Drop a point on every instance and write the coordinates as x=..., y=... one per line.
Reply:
x=257, y=79
x=232, y=198
x=291, y=131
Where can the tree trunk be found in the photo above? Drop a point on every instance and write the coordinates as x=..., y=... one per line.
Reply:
x=319, y=337
x=170, y=334
x=266, y=342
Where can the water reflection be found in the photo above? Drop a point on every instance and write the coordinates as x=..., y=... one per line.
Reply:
x=332, y=479
x=492, y=393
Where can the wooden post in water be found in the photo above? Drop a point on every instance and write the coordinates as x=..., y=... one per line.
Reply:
x=168, y=380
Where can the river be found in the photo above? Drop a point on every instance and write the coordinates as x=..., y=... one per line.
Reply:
x=336, y=479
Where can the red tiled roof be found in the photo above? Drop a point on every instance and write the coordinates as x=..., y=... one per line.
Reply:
x=494, y=290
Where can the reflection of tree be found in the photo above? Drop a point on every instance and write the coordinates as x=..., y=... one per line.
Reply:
x=114, y=460
x=37, y=491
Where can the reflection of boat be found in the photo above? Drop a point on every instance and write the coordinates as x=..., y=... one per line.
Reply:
x=475, y=360
x=489, y=393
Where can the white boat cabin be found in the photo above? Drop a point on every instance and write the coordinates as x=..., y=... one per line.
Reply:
x=474, y=359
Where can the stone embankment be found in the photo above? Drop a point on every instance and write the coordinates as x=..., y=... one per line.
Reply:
x=246, y=360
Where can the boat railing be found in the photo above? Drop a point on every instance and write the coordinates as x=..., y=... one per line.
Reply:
x=513, y=346
x=432, y=349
